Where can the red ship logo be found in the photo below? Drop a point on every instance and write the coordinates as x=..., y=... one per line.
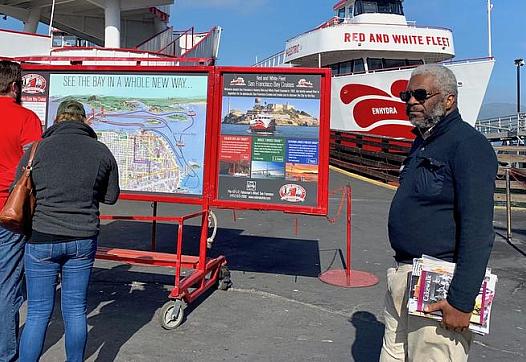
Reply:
x=292, y=193
x=374, y=113
x=34, y=84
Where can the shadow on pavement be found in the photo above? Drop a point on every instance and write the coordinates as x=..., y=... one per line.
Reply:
x=248, y=253
x=369, y=334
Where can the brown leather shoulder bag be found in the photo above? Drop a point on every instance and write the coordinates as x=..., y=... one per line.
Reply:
x=17, y=213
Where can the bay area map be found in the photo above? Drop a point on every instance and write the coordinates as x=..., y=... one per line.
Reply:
x=154, y=124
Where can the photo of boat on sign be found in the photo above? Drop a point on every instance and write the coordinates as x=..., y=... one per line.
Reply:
x=270, y=117
x=262, y=123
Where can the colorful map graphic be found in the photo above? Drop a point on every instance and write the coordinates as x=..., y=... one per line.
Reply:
x=153, y=124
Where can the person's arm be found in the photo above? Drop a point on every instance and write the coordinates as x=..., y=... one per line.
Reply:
x=474, y=170
x=31, y=131
x=112, y=189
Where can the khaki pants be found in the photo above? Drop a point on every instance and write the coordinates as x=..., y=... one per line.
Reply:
x=411, y=338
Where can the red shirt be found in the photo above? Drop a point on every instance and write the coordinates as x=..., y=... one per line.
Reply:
x=18, y=127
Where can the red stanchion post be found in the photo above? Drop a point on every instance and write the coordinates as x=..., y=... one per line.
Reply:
x=348, y=196
x=347, y=277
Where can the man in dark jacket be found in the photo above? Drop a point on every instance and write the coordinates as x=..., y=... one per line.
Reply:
x=443, y=208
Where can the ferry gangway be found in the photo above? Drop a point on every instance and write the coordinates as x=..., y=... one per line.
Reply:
x=184, y=43
x=510, y=128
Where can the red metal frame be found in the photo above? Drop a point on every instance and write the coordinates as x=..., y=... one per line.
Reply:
x=205, y=270
x=324, y=137
x=347, y=277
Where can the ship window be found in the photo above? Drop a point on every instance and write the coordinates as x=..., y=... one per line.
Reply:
x=378, y=6
x=394, y=63
x=57, y=41
x=374, y=63
x=358, y=66
x=346, y=67
x=369, y=7
x=415, y=61
x=341, y=13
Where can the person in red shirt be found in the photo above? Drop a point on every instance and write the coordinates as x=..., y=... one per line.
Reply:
x=19, y=128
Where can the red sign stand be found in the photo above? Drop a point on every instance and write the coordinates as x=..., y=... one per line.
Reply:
x=347, y=277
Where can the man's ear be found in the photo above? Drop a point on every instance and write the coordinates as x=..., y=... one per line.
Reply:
x=451, y=100
x=16, y=92
x=15, y=89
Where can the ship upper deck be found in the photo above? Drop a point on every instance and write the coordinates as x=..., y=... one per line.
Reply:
x=368, y=29
x=337, y=40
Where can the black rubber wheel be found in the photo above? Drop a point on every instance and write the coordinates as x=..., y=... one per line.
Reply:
x=224, y=282
x=171, y=315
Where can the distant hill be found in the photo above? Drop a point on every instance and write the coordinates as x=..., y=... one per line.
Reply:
x=492, y=110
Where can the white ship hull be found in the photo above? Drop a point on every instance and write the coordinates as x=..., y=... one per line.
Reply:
x=369, y=102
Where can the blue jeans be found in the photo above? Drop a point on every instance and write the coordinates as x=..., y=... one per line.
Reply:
x=11, y=268
x=44, y=262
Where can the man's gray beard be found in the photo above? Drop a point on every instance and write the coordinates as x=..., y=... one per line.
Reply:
x=435, y=116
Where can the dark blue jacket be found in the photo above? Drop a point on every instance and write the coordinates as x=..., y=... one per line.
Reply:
x=444, y=205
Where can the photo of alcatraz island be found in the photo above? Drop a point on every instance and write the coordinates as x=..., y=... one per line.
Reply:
x=277, y=117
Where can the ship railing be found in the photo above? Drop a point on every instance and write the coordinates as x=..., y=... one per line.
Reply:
x=157, y=41
x=184, y=43
x=275, y=60
x=118, y=59
x=182, y=40
x=504, y=123
x=503, y=128
x=207, y=45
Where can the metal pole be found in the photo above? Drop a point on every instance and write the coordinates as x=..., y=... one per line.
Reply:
x=51, y=18
x=490, y=6
x=508, y=205
x=50, y=30
x=154, y=226
x=348, y=268
x=518, y=87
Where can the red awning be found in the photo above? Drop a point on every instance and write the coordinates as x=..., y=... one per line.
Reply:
x=339, y=4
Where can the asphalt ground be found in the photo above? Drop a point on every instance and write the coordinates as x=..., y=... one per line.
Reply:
x=277, y=308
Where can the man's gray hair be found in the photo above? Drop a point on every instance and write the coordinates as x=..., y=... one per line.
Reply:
x=444, y=79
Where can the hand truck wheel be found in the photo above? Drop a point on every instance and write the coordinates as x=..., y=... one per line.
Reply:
x=223, y=281
x=172, y=314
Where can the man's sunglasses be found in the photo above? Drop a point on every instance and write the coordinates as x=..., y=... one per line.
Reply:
x=420, y=95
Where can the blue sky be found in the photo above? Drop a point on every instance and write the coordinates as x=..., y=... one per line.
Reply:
x=259, y=28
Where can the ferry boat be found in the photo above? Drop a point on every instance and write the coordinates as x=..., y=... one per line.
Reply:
x=372, y=49
x=86, y=32
x=262, y=123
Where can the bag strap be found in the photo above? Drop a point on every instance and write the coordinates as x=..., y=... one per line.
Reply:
x=32, y=154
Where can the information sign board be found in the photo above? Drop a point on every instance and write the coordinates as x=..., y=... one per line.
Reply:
x=273, y=139
x=153, y=122
x=242, y=138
